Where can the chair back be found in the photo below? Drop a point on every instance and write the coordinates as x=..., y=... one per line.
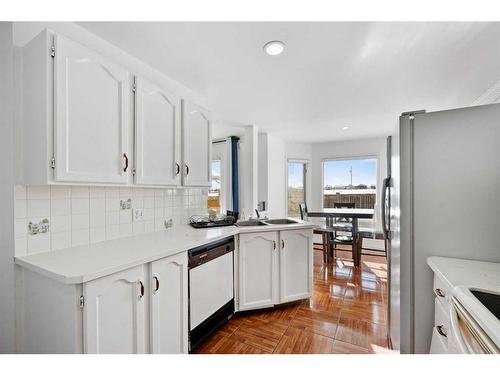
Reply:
x=303, y=211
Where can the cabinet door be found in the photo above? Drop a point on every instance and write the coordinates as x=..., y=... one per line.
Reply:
x=258, y=269
x=295, y=264
x=157, y=135
x=114, y=312
x=197, y=145
x=91, y=116
x=169, y=305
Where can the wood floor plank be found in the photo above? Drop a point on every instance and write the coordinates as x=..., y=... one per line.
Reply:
x=341, y=347
x=263, y=335
x=316, y=321
x=361, y=332
x=298, y=341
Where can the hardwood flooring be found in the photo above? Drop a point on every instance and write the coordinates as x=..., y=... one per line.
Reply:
x=345, y=315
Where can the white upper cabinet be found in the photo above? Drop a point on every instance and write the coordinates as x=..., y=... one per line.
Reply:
x=258, y=270
x=197, y=145
x=114, y=313
x=91, y=119
x=169, y=305
x=157, y=135
x=295, y=265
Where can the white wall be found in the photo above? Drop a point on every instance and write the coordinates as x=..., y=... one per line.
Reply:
x=276, y=177
x=262, y=192
x=347, y=149
x=7, y=314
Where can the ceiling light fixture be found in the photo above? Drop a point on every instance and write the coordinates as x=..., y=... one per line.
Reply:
x=274, y=47
x=345, y=128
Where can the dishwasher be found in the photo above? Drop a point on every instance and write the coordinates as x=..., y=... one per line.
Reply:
x=211, y=288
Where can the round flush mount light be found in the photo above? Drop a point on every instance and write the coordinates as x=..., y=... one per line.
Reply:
x=274, y=47
x=345, y=128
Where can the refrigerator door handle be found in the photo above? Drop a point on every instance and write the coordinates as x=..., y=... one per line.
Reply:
x=385, y=207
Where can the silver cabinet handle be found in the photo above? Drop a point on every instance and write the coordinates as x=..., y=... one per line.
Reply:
x=187, y=169
x=282, y=244
x=274, y=245
x=125, y=157
x=142, y=290
x=178, y=169
x=439, y=292
x=441, y=331
x=157, y=284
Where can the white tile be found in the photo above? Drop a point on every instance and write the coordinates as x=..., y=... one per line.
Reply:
x=80, y=237
x=61, y=240
x=149, y=214
x=97, y=219
x=20, y=228
x=159, y=213
x=138, y=227
x=80, y=192
x=60, y=192
x=20, y=192
x=80, y=221
x=80, y=206
x=125, y=216
x=97, y=205
x=126, y=230
x=125, y=192
x=38, y=192
x=38, y=243
x=21, y=246
x=112, y=232
x=38, y=207
x=138, y=202
x=149, y=193
x=112, y=192
x=60, y=207
x=149, y=202
x=20, y=208
x=159, y=202
x=97, y=192
x=112, y=218
x=97, y=234
x=112, y=204
x=159, y=225
x=149, y=226
x=60, y=223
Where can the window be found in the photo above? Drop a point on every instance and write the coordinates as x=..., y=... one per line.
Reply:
x=214, y=192
x=350, y=181
x=296, y=187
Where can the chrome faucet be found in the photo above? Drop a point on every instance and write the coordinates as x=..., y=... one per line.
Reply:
x=257, y=212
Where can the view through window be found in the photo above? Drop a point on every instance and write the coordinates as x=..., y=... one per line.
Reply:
x=350, y=181
x=214, y=192
x=296, y=193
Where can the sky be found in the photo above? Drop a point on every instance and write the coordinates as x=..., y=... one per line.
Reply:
x=295, y=174
x=364, y=171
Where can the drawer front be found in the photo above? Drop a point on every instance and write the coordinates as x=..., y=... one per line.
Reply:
x=441, y=320
x=442, y=292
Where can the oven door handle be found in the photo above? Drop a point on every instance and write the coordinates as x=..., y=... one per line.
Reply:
x=455, y=333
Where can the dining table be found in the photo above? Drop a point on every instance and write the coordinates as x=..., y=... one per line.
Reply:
x=349, y=213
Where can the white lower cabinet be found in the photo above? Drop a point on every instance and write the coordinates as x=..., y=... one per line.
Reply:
x=114, y=313
x=274, y=267
x=169, y=305
x=258, y=270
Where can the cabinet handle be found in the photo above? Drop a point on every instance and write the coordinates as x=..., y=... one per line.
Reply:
x=439, y=292
x=441, y=331
x=282, y=244
x=126, y=162
x=157, y=282
x=274, y=245
x=187, y=169
x=178, y=169
x=142, y=290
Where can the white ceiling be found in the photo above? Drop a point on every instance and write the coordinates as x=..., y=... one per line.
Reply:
x=331, y=75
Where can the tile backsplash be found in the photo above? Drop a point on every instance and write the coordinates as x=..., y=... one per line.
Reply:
x=81, y=215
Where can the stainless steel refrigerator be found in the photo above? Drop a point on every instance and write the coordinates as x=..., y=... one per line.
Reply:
x=443, y=199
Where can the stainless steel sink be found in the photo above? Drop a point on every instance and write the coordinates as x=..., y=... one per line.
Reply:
x=280, y=221
x=250, y=223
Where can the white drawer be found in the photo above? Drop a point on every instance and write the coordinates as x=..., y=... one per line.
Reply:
x=438, y=344
x=442, y=292
x=441, y=319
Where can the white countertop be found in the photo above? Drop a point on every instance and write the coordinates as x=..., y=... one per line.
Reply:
x=461, y=275
x=84, y=263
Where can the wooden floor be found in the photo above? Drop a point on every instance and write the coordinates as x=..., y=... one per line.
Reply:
x=346, y=314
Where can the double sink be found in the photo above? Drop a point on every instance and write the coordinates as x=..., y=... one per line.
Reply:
x=255, y=223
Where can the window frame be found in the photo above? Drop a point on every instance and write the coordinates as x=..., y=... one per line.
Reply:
x=343, y=158
x=306, y=163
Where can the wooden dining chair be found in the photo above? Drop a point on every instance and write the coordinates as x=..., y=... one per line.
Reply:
x=343, y=231
x=319, y=229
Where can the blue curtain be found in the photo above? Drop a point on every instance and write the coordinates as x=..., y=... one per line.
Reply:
x=234, y=175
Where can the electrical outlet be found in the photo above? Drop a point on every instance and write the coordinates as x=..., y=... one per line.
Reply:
x=138, y=214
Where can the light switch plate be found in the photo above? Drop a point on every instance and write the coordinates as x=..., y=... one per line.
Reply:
x=138, y=214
